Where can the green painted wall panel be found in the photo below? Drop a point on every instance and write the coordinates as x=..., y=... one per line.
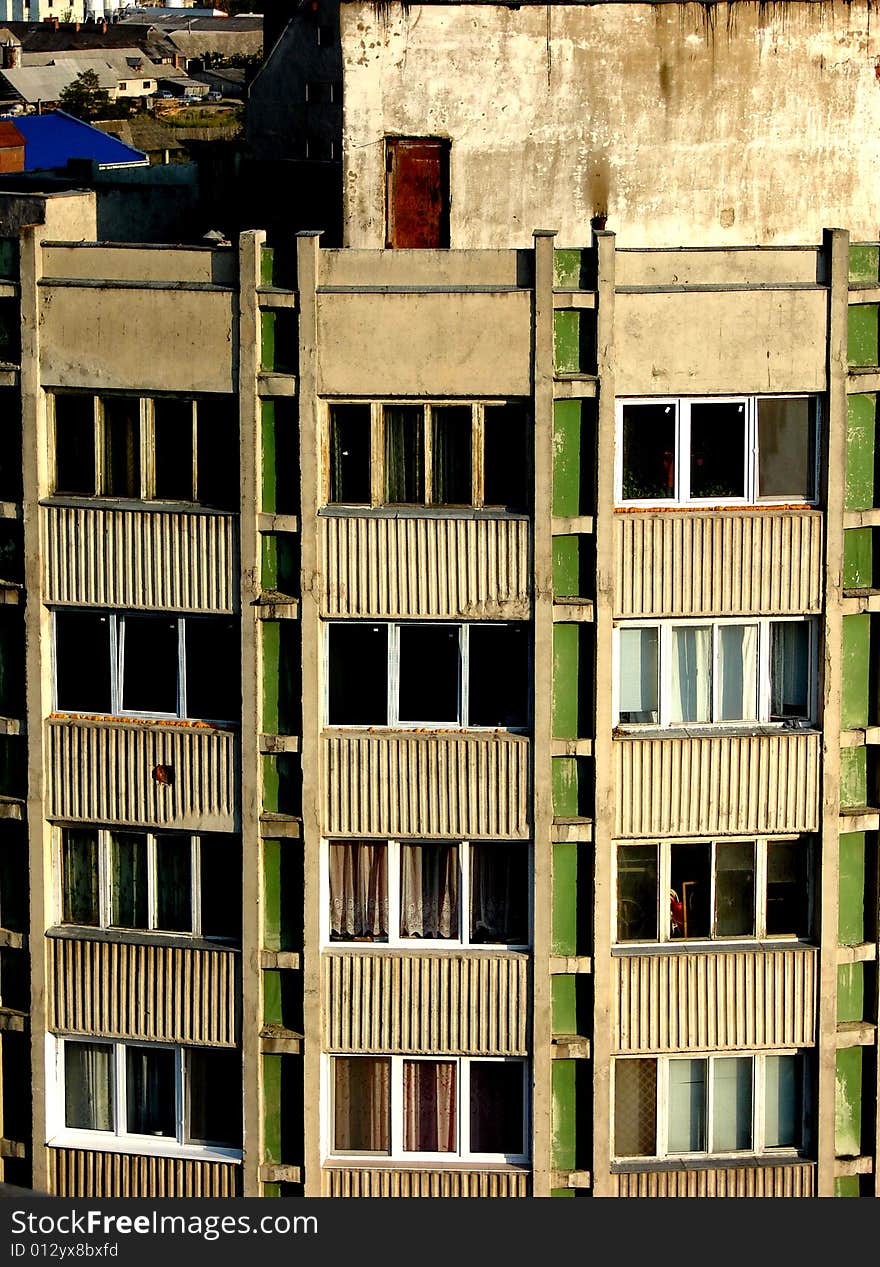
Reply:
x=568, y=433
x=563, y=1115
x=566, y=567
x=862, y=334
x=571, y=269
x=272, y=894
x=563, y=940
x=268, y=561
x=268, y=482
x=267, y=340
x=861, y=426
x=858, y=558
x=566, y=798
x=273, y=1009
x=270, y=636
x=565, y=681
x=864, y=262
x=272, y=1109
x=267, y=266
x=851, y=992
x=853, y=776
x=567, y=341
x=851, y=876
x=856, y=671
x=563, y=998
x=562, y=1192
x=848, y=1103
x=847, y=1186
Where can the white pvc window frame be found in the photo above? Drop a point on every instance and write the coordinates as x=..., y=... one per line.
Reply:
x=763, y=718
x=103, y=1141
x=392, y=870
x=751, y=458
x=664, y=849
x=397, y=1151
x=757, y=1147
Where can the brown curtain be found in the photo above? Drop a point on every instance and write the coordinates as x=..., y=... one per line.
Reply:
x=429, y=1120
x=362, y=1104
x=358, y=891
x=429, y=891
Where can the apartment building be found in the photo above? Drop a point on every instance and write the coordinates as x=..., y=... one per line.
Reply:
x=444, y=758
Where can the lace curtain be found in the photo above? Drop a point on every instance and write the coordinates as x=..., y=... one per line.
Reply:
x=429, y=891
x=358, y=891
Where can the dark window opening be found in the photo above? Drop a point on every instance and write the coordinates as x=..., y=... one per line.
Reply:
x=122, y=448
x=214, y=1097
x=75, y=445
x=174, y=883
x=648, y=451
x=358, y=675
x=499, y=880
x=213, y=665
x=689, y=896
x=506, y=466
x=79, y=877
x=786, y=447
x=788, y=888
x=220, y=873
x=404, y=454
x=637, y=878
x=429, y=674
x=129, y=906
x=735, y=888
x=173, y=450
x=499, y=675
x=150, y=1102
x=789, y=670
x=496, y=1107
x=718, y=446
x=82, y=662
x=451, y=475
x=350, y=454
x=150, y=665
x=217, y=457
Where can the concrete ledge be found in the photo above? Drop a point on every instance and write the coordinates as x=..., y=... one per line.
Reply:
x=570, y=1179
x=859, y=819
x=569, y=831
x=277, y=523
x=269, y=299
x=12, y=808
x=571, y=747
x=10, y=510
x=864, y=952
x=566, y=965
x=9, y=376
x=573, y=610
x=12, y=1148
x=270, y=383
x=845, y=1166
x=280, y=827
x=280, y=1046
x=862, y=518
x=864, y=293
x=857, y=604
x=563, y=299
x=11, y=940
x=280, y=959
x=572, y=525
x=578, y=387
x=862, y=380
x=856, y=1034
x=279, y=743
x=12, y=1021
x=570, y=1047
x=270, y=1173
x=276, y=607
x=853, y=738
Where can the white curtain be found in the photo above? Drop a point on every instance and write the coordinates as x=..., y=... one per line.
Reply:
x=429, y=891
x=738, y=672
x=732, y=1104
x=358, y=891
x=638, y=675
x=88, y=1086
x=691, y=674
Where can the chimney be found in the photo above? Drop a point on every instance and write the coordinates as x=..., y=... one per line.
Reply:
x=11, y=56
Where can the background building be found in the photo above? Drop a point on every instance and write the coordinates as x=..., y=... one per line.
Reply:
x=492, y=594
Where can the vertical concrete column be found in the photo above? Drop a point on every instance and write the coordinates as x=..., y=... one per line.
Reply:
x=836, y=249
x=542, y=791
x=603, y=814
x=249, y=253
x=307, y=265
x=38, y=662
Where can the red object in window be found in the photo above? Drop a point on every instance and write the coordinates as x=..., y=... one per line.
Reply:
x=676, y=913
x=162, y=775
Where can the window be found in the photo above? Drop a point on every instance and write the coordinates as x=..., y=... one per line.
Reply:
x=417, y=193
x=716, y=672
x=744, y=449
x=150, y=665
x=715, y=889
x=401, y=1106
x=164, y=449
x=322, y=92
x=419, y=674
x=154, y=881
x=681, y=1105
x=151, y=1094
x=445, y=892
x=429, y=455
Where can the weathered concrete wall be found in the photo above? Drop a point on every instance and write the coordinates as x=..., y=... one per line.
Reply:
x=732, y=124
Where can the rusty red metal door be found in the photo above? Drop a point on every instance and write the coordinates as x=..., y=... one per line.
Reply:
x=416, y=192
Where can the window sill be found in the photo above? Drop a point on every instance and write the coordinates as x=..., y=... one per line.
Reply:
x=351, y=511
x=397, y=732
x=75, y=501
x=116, y=719
x=714, y=508
x=141, y=937
x=363, y=1161
x=724, y=730
x=441, y=949
x=715, y=1161
x=96, y=1142
x=632, y=950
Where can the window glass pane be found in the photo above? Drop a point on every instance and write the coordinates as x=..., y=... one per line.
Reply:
x=88, y=1086
x=174, y=883
x=635, y=1108
x=687, y=1106
x=122, y=448
x=350, y=454
x=788, y=888
x=149, y=1091
x=220, y=863
x=75, y=445
x=737, y=672
x=451, y=455
x=498, y=675
x=718, y=449
x=82, y=662
x=128, y=880
x=217, y=457
x=213, y=669
x=691, y=675
x=639, y=680
x=648, y=452
x=361, y=1104
x=428, y=673
x=429, y=1106
x=789, y=669
x=782, y=1102
x=429, y=891
x=79, y=876
x=214, y=1097
x=358, y=891
x=358, y=675
x=149, y=670
x=637, y=893
x=689, y=900
x=173, y=449
x=735, y=888
x=496, y=1107
x=404, y=453
x=786, y=448
x=506, y=465
x=499, y=894
x=731, y=1104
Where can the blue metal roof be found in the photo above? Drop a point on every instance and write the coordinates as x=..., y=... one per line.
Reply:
x=51, y=139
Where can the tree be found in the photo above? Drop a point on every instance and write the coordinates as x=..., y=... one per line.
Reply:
x=85, y=98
